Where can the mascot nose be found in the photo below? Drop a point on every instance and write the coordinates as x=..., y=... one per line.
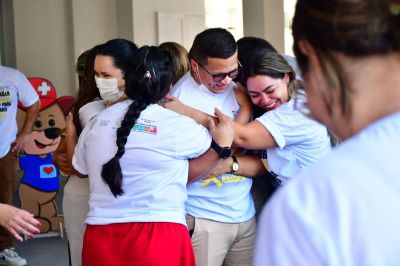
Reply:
x=52, y=133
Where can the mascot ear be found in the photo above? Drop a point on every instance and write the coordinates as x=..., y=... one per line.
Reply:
x=66, y=103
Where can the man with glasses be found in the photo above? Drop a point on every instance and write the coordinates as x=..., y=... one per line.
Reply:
x=220, y=209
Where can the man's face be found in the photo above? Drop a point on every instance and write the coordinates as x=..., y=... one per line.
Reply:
x=211, y=73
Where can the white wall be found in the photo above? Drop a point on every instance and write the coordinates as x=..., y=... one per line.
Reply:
x=50, y=34
x=93, y=22
x=145, y=18
x=43, y=41
x=226, y=14
x=265, y=19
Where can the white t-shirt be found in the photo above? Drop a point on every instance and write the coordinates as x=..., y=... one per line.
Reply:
x=344, y=210
x=225, y=198
x=301, y=141
x=154, y=166
x=89, y=111
x=14, y=86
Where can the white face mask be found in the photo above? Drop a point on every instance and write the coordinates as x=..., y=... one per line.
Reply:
x=108, y=89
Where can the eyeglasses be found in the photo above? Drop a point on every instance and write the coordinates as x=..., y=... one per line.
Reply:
x=221, y=76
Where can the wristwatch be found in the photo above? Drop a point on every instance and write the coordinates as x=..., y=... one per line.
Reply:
x=223, y=152
x=235, y=164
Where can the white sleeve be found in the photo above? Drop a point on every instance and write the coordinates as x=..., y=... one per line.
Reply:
x=26, y=93
x=79, y=158
x=287, y=125
x=192, y=139
x=288, y=235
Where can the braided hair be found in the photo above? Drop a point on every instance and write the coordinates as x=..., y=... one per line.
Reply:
x=148, y=78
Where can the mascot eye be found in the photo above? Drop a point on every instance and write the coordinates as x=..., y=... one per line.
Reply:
x=38, y=123
x=52, y=122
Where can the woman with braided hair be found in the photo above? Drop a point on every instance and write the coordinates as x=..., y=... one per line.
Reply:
x=136, y=154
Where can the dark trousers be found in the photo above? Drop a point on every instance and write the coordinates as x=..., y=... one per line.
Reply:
x=7, y=179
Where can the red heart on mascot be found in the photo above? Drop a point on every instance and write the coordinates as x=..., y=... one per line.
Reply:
x=48, y=170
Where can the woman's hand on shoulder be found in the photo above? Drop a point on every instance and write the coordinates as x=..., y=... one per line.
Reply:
x=221, y=129
x=70, y=129
x=174, y=104
x=62, y=161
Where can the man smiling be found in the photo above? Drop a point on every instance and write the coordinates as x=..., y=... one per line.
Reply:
x=220, y=210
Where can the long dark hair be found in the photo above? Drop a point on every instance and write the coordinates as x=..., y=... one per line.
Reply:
x=120, y=50
x=148, y=78
x=87, y=91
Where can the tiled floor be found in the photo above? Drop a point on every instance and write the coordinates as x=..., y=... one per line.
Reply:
x=49, y=251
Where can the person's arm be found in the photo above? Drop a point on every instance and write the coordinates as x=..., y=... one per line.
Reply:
x=18, y=221
x=200, y=167
x=31, y=115
x=249, y=165
x=60, y=158
x=177, y=106
x=252, y=136
x=246, y=108
x=71, y=139
x=222, y=133
x=200, y=117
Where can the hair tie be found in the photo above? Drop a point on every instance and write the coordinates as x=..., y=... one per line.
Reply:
x=147, y=75
x=394, y=9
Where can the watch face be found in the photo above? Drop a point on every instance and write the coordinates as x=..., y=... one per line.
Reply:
x=235, y=167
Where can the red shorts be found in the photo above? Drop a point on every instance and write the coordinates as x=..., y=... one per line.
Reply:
x=147, y=244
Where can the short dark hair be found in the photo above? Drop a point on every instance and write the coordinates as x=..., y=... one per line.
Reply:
x=215, y=43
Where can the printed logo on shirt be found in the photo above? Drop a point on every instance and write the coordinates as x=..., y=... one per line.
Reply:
x=144, y=126
x=226, y=178
x=104, y=123
x=5, y=101
x=212, y=179
x=150, y=129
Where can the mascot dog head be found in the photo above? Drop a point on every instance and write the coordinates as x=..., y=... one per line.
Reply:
x=50, y=122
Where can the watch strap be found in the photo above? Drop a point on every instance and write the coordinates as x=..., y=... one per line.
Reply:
x=223, y=152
